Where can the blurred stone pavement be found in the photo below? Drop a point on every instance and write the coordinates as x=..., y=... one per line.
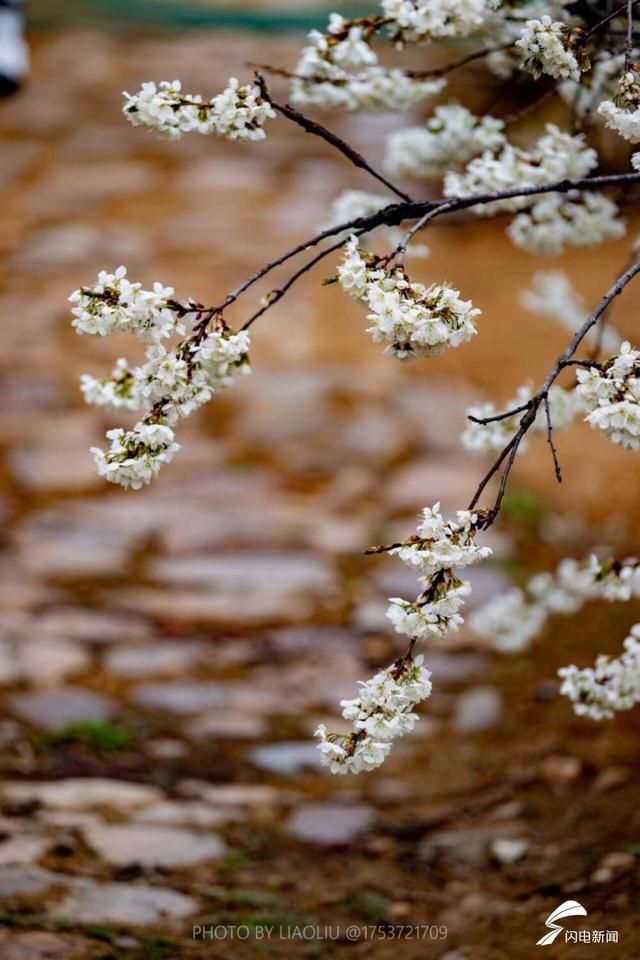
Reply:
x=165, y=655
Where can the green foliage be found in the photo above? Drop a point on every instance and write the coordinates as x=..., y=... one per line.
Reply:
x=369, y=905
x=97, y=735
x=231, y=865
x=16, y=920
x=522, y=505
x=244, y=898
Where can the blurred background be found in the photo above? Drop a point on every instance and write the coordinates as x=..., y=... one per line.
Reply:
x=165, y=655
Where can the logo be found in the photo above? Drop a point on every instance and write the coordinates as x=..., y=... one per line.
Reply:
x=570, y=908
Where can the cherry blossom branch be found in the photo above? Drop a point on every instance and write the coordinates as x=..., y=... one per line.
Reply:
x=511, y=412
x=394, y=214
x=582, y=363
x=508, y=454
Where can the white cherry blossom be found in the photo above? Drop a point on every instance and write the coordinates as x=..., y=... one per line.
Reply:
x=237, y=113
x=613, y=684
x=554, y=156
x=451, y=137
x=551, y=47
x=343, y=73
x=512, y=620
x=382, y=711
x=119, y=390
x=428, y=19
x=555, y=222
x=411, y=320
x=622, y=113
x=136, y=455
x=611, y=396
x=440, y=544
x=115, y=305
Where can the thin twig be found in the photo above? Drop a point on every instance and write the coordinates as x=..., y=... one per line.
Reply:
x=311, y=126
x=435, y=72
x=500, y=416
x=401, y=249
x=582, y=363
x=493, y=469
x=506, y=414
x=456, y=64
x=278, y=294
x=552, y=446
x=505, y=475
x=564, y=360
x=616, y=13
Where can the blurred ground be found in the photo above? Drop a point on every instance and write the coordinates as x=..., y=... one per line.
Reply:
x=165, y=655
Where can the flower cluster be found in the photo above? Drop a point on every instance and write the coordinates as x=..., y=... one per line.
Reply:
x=513, y=619
x=553, y=48
x=452, y=136
x=410, y=319
x=117, y=391
x=611, y=395
x=438, y=547
x=168, y=386
x=115, y=305
x=178, y=382
x=440, y=544
x=435, y=612
x=417, y=20
x=492, y=437
x=135, y=456
x=554, y=156
x=612, y=684
x=555, y=222
x=340, y=71
x=382, y=711
x=503, y=26
x=622, y=113
x=509, y=621
x=552, y=295
x=550, y=222
x=238, y=113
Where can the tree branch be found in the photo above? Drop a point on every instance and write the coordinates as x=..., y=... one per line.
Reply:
x=311, y=126
x=628, y=6
x=483, y=421
x=394, y=214
x=275, y=295
x=456, y=64
x=565, y=359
